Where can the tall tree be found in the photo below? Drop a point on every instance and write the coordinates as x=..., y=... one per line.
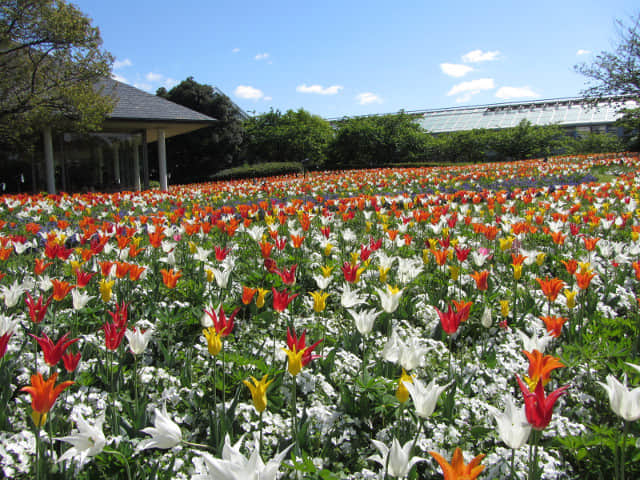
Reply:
x=618, y=73
x=195, y=156
x=290, y=137
x=50, y=61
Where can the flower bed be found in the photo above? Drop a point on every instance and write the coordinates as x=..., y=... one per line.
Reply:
x=346, y=325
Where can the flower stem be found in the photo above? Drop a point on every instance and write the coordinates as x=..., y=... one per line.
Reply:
x=294, y=412
x=124, y=460
x=261, y=424
x=625, y=430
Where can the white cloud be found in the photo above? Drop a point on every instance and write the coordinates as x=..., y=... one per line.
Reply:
x=144, y=86
x=583, y=52
x=122, y=63
x=455, y=69
x=248, y=92
x=169, y=83
x=472, y=86
x=475, y=56
x=507, y=93
x=261, y=56
x=154, y=77
x=319, y=89
x=119, y=78
x=268, y=99
x=367, y=97
x=235, y=50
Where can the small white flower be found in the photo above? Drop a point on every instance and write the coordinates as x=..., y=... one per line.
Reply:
x=87, y=442
x=165, y=433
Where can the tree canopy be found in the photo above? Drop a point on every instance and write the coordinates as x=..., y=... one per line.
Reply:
x=618, y=73
x=197, y=155
x=50, y=61
x=290, y=137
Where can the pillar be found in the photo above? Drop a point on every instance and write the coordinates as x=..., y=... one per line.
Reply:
x=116, y=163
x=145, y=161
x=136, y=165
x=162, y=160
x=48, y=160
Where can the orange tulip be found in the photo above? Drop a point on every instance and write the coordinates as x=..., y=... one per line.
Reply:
x=584, y=279
x=440, y=256
x=247, y=294
x=570, y=265
x=457, y=470
x=540, y=368
x=43, y=395
x=481, y=279
x=170, y=277
x=551, y=287
x=554, y=325
x=590, y=243
x=60, y=289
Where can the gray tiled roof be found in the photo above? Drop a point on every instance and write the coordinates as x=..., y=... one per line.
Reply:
x=135, y=104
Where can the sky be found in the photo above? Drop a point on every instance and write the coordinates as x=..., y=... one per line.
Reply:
x=352, y=57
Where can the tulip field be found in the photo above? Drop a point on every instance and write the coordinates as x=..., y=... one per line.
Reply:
x=476, y=321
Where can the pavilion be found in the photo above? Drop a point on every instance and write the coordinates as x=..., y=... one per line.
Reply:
x=138, y=119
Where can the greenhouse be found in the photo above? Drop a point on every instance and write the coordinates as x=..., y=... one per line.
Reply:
x=574, y=114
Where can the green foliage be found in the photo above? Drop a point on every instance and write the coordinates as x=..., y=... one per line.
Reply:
x=196, y=155
x=618, y=73
x=259, y=170
x=290, y=137
x=50, y=62
x=376, y=141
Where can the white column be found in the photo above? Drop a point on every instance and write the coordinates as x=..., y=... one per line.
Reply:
x=116, y=163
x=136, y=165
x=162, y=160
x=48, y=160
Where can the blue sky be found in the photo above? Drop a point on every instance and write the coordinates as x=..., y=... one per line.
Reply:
x=345, y=58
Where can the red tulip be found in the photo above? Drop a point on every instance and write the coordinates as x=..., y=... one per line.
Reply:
x=299, y=344
x=71, y=361
x=53, y=352
x=538, y=408
x=37, y=311
x=222, y=325
x=281, y=300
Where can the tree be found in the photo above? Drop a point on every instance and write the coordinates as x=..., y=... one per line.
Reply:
x=195, y=156
x=290, y=137
x=618, y=73
x=50, y=62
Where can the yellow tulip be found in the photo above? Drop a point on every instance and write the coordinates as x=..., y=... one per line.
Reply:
x=260, y=297
x=402, y=394
x=294, y=364
x=214, y=342
x=259, y=392
x=106, y=287
x=319, y=300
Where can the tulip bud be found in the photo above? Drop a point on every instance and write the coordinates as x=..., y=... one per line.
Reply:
x=486, y=319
